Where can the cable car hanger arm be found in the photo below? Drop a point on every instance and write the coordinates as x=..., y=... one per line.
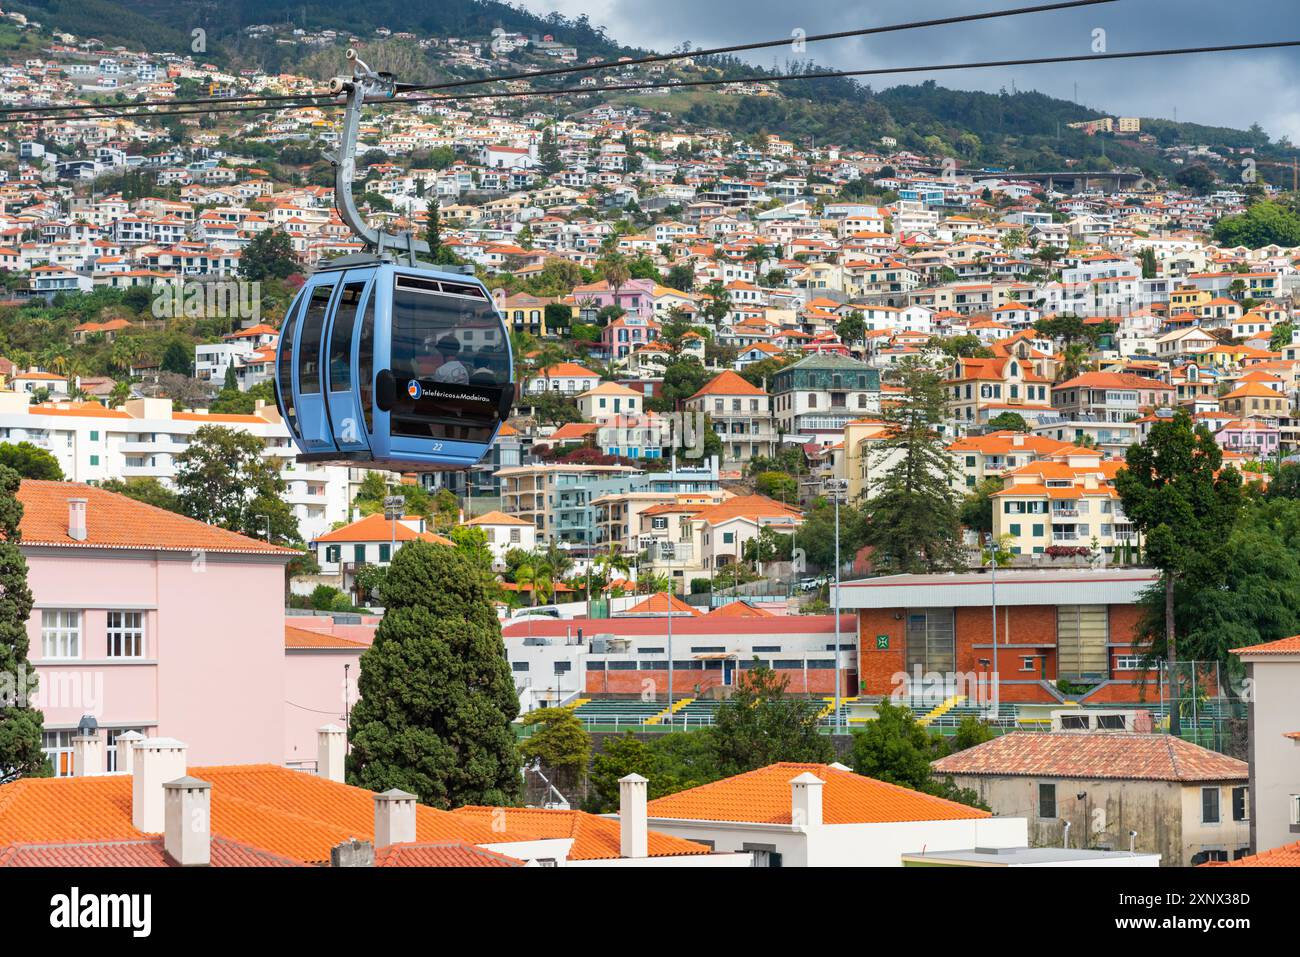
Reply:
x=364, y=84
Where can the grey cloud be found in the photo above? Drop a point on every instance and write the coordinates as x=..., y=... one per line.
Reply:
x=1234, y=89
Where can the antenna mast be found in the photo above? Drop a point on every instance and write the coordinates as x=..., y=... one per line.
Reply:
x=363, y=85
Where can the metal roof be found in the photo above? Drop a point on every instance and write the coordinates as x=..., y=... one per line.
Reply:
x=1040, y=586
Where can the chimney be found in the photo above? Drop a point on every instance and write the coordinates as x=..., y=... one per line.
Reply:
x=187, y=836
x=331, y=745
x=633, y=834
x=806, y=800
x=126, y=742
x=87, y=755
x=154, y=761
x=394, y=818
x=77, y=519
x=352, y=853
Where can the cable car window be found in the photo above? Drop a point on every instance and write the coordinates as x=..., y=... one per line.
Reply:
x=439, y=339
x=366, y=362
x=342, y=336
x=284, y=368
x=313, y=327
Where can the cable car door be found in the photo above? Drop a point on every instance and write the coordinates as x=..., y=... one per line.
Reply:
x=353, y=307
x=450, y=371
x=313, y=420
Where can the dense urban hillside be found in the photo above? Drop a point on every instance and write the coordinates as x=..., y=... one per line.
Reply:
x=1024, y=130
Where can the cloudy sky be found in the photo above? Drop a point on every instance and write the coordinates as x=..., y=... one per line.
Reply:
x=1230, y=89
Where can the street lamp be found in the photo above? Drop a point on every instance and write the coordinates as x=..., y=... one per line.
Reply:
x=837, y=487
x=993, y=585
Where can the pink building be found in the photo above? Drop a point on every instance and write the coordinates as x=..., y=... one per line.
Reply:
x=1252, y=436
x=322, y=660
x=624, y=335
x=635, y=297
x=152, y=622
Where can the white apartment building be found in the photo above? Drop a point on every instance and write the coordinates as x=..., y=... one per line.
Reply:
x=141, y=439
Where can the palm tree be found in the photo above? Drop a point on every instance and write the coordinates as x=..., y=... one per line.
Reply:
x=613, y=560
x=652, y=583
x=537, y=577
x=614, y=268
x=121, y=392
x=1048, y=255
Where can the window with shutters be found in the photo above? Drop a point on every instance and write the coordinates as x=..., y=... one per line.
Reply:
x=1081, y=635
x=930, y=640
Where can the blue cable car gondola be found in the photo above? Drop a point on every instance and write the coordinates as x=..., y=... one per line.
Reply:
x=394, y=366
x=386, y=364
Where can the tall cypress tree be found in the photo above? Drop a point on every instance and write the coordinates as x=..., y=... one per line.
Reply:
x=439, y=254
x=437, y=695
x=20, y=724
x=913, y=516
x=1177, y=493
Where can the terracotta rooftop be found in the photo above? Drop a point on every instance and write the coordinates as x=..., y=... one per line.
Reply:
x=763, y=797
x=1283, y=646
x=304, y=638
x=594, y=837
x=115, y=521
x=1096, y=754
x=728, y=383
x=661, y=603
x=376, y=528
x=1288, y=855
x=739, y=609
x=138, y=852
x=272, y=809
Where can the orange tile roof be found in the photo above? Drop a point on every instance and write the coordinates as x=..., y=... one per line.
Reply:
x=595, y=838
x=1101, y=754
x=1004, y=442
x=90, y=409
x=728, y=383
x=739, y=609
x=748, y=506
x=305, y=638
x=562, y=369
x=661, y=603
x=115, y=521
x=376, y=528
x=573, y=430
x=1113, y=380
x=1283, y=646
x=143, y=852
x=442, y=854
x=496, y=518
x=1288, y=855
x=274, y=809
x=763, y=797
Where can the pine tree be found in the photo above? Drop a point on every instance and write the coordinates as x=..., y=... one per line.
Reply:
x=20, y=724
x=913, y=515
x=437, y=695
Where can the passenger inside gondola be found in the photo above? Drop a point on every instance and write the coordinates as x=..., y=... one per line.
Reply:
x=450, y=368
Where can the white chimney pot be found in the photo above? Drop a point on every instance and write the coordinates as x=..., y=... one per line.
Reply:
x=155, y=761
x=331, y=745
x=633, y=832
x=187, y=836
x=77, y=519
x=126, y=742
x=394, y=818
x=806, y=800
x=87, y=755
